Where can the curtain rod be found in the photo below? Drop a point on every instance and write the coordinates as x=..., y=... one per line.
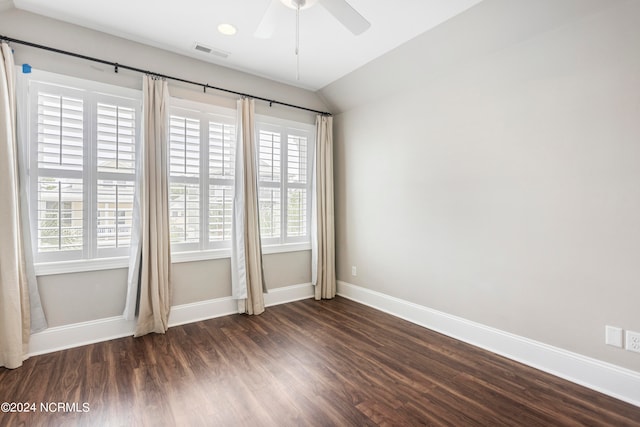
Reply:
x=117, y=66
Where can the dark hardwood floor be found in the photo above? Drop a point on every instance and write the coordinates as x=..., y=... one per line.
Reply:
x=304, y=363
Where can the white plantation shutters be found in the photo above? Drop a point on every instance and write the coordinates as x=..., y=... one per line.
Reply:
x=116, y=138
x=269, y=199
x=82, y=145
x=116, y=144
x=297, y=185
x=284, y=180
x=202, y=160
x=60, y=214
x=184, y=188
x=59, y=144
x=221, y=172
x=115, y=208
x=60, y=129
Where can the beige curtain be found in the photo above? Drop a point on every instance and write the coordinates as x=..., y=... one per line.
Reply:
x=14, y=288
x=155, y=264
x=322, y=225
x=246, y=250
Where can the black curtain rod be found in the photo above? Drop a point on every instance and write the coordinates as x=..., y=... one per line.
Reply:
x=117, y=66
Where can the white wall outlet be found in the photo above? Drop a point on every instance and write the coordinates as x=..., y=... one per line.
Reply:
x=633, y=341
x=613, y=336
x=354, y=271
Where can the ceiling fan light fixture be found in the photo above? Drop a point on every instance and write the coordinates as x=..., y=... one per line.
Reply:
x=227, y=29
x=294, y=4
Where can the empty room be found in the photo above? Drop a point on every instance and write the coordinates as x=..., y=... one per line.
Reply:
x=320, y=212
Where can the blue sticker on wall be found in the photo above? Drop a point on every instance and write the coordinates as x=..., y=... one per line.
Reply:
x=26, y=69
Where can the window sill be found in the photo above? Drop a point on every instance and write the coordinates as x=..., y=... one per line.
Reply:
x=192, y=256
x=79, y=266
x=289, y=247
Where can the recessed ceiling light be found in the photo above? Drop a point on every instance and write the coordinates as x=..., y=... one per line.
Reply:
x=227, y=29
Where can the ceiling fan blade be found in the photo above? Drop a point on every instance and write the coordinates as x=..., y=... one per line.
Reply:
x=267, y=24
x=347, y=15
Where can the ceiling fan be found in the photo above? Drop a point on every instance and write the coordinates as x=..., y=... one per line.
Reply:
x=340, y=9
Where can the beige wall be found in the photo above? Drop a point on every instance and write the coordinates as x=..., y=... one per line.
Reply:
x=79, y=297
x=496, y=177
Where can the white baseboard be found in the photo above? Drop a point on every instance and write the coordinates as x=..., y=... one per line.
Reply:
x=79, y=334
x=288, y=294
x=615, y=381
x=202, y=310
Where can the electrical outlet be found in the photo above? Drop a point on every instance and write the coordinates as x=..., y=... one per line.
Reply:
x=354, y=271
x=633, y=341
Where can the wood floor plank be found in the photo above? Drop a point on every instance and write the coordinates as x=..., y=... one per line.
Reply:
x=307, y=363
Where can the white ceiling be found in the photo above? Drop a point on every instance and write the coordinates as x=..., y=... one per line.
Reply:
x=328, y=50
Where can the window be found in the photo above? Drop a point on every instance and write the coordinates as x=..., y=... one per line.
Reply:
x=82, y=143
x=284, y=169
x=201, y=143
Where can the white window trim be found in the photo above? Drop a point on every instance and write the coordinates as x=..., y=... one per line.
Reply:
x=99, y=264
x=79, y=266
x=285, y=248
x=275, y=125
x=101, y=90
x=90, y=258
x=203, y=249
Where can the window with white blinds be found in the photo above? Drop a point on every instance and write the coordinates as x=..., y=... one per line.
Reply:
x=284, y=180
x=201, y=144
x=222, y=140
x=116, y=148
x=82, y=139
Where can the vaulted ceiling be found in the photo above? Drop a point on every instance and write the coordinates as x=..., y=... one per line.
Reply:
x=328, y=49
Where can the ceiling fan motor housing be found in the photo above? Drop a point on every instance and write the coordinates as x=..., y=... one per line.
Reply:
x=302, y=4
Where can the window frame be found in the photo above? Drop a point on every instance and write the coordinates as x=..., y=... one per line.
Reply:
x=90, y=256
x=205, y=114
x=287, y=128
